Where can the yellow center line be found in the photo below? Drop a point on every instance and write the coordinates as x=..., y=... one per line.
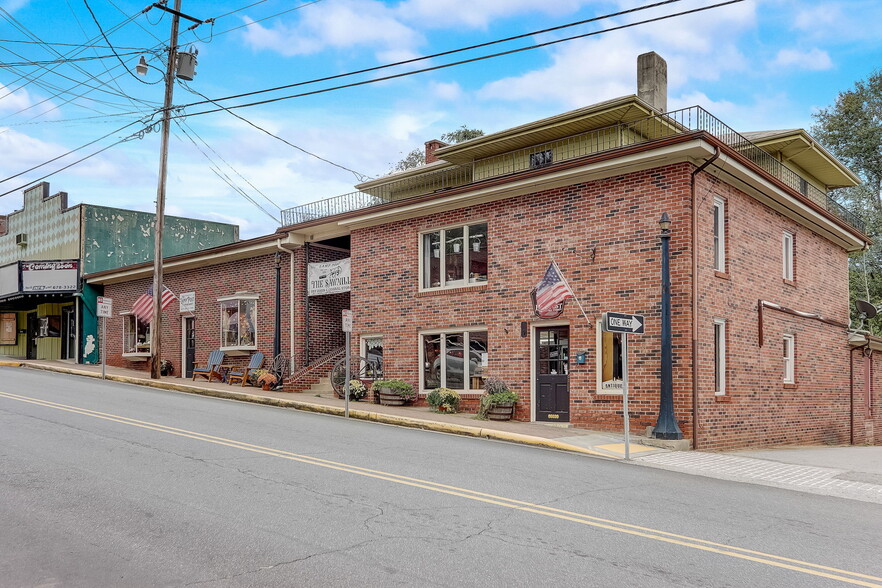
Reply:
x=620, y=527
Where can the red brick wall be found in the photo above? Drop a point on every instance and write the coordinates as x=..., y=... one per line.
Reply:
x=254, y=275
x=604, y=236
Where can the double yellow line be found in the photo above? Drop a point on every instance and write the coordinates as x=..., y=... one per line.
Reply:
x=610, y=525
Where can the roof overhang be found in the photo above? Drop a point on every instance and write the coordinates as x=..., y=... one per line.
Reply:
x=798, y=146
x=596, y=116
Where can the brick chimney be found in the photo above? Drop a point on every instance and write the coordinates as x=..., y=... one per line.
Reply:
x=652, y=80
x=431, y=147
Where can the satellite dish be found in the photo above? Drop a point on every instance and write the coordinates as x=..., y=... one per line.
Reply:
x=866, y=309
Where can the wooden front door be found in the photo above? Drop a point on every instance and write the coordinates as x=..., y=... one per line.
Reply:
x=189, y=346
x=552, y=374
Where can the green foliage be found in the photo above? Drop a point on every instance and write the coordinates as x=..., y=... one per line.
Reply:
x=357, y=390
x=851, y=130
x=417, y=157
x=496, y=392
x=399, y=387
x=443, y=400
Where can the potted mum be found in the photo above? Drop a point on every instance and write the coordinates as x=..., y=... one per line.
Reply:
x=498, y=401
x=264, y=378
x=443, y=400
x=393, y=392
x=357, y=390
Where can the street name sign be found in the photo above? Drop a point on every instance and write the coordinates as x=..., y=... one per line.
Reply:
x=619, y=322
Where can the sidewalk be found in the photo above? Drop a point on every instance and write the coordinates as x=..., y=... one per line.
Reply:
x=845, y=472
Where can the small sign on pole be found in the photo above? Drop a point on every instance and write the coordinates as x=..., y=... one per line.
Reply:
x=105, y=310
x=105, y=306
x=619, y=322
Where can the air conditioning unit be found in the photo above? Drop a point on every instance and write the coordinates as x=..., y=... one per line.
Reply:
x=21, y=239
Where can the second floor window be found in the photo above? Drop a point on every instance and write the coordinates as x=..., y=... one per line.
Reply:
x=455, y=256
x=789, y=359
x=787, y=255
x=719, y=235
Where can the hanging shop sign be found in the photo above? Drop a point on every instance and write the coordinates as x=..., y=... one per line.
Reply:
x=329, y=277
x=49, y=276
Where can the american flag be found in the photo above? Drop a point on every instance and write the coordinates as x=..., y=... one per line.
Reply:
x=143, y=307
x=551, y=292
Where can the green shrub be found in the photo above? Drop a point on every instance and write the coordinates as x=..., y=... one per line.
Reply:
x=496, y=392
x=399, y=387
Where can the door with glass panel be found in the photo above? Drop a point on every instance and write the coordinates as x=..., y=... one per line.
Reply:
x=552, y=374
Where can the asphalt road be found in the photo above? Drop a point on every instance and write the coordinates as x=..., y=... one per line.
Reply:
x=106, y=484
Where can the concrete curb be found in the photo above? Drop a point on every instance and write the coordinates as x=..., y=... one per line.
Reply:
x=365, y=415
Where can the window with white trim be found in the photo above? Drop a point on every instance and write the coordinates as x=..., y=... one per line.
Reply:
x=789, y=359
x=372, y=350
x=136, y=335
x=454, y=256
x=787, y=255
x=720, y=357
x=609, y=361
x=454, y=359
x=719, y=234
x=238, y=321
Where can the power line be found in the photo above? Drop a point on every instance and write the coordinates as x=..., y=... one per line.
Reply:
x=427, y=69
x=60, y=61
x=101, y=30
x=253, y=22
x=358, y=175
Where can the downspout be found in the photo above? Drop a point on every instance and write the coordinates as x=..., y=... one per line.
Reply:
x=695, y=295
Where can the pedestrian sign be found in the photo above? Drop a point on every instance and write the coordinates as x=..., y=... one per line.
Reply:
x=618, y=322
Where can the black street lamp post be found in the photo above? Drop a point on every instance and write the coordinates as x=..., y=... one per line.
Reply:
x=277, y=335
x=666, y=426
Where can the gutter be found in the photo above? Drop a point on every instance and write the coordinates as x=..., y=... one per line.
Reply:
x=695, y=413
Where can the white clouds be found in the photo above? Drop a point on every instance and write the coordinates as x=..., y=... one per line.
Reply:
x=339, y=25
x=812, y=60
x=479, y=13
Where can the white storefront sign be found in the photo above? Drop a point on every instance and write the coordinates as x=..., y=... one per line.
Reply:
x=49, y=276
x=329, y=277
x=188, y=301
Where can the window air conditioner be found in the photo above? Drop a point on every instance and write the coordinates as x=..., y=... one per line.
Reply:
x=21, y=239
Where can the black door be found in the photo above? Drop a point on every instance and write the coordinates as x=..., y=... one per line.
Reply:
x=33, y=331
x=68, y=333
x=552, y=374
x=189, y=346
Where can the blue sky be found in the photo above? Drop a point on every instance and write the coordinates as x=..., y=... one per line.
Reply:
x=756, y=65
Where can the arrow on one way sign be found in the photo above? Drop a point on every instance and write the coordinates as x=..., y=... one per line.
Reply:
x=618, y=322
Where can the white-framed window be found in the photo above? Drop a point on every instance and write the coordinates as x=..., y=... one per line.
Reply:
x=719, y=222
x=136, y=335
x=238, y=321
x=609, y=361
x=787, y=255
x=372, y=350
x=455, y=359
x=789, y=359
x=720, y=357
x=454, y=257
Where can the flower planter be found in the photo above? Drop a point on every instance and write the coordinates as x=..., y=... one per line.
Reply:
x=390, y=398
x=503, y=411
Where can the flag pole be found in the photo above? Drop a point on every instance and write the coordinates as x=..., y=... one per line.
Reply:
x=576, y=298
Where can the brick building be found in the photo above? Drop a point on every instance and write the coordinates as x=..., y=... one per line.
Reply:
x=444, y=258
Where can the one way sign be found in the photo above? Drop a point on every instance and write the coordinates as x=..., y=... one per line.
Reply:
x=618, y=322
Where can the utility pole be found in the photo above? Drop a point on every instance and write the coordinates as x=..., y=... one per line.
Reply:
x=156, y=324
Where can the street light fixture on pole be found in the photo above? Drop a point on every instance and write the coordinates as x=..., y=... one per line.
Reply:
x=666, y=426
x=141, y=68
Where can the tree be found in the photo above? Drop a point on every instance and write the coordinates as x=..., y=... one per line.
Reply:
x=851, y=130
x=417, y=157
